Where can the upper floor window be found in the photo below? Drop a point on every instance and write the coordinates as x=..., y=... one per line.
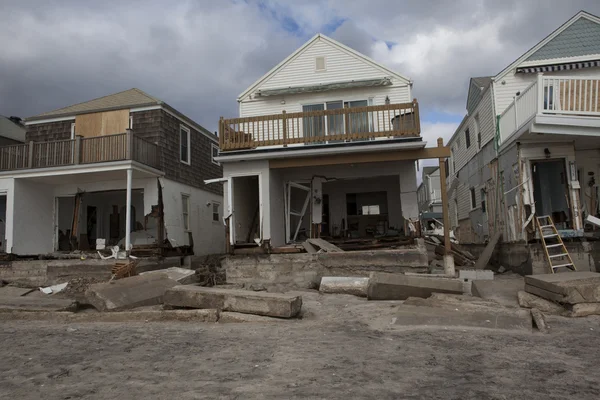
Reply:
x=185, y=206
x=473, y=199
x=214, y=153
x=478, y=131
x=467, y=138
x=482, y=200
x=184, y=144
x=320, y=63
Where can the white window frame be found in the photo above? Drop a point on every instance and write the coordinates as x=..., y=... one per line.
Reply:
x=214, y=146
x=218, y=220
x=324, y=64
x=72, y=130
x=185, y=214
x=473, y=197
x=189, y=145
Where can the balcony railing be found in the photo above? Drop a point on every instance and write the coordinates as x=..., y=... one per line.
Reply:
x=320, y=127
x=551, y=95
x=122, y=146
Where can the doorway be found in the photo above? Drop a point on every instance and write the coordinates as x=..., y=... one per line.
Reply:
x=246, y=219
x=551, y=191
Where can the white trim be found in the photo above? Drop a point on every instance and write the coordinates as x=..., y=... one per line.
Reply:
x=301, y=49
x=324, y=64
x=147, y=108
x=561, y=60
x=80, y=169
x=46, y=121
x=189, y=145
x=472, y=196
x=72, y=130
x=216, y=180
x=193, y=124
x=218, y=220
x=518, y=61
x=231, y=205
x=324, y=151
x=212, y=157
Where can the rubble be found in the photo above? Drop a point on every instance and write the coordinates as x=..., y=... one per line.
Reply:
x=127, y=293
x=24, y=303
x=567, y=287
x=181, y=275
x=260, y=303
x=528, y=300
x=584, y=310
x=539, y=320
x=385, y=286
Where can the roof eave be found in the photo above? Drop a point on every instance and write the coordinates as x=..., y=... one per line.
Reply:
x=73, y=114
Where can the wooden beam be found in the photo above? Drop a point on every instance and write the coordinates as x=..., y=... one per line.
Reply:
x=446, y=217
x=356, y=158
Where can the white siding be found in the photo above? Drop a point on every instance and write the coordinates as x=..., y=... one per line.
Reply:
x=340, y=66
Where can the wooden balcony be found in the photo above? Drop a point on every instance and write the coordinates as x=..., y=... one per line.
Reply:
x=321, y=127
x=122, y=146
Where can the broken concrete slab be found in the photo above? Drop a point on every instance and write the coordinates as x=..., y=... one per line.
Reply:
x=568, y=287
x=260, y=303
x=502, y=290
x=127, y=293
x=384, y=286
x=118, y=316
x=584, y=310
x=235, y=317
x=458, y=316
x=182, y=275
x=13, y=291
x=528, y=300
x=24, y=303
x=356, y=286
x=539, y=320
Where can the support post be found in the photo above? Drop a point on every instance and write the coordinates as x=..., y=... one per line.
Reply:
x=448, y=259
x=30, y=155
x=284, y=122
x=77, y=150
x=128, y=212
x=129, y=144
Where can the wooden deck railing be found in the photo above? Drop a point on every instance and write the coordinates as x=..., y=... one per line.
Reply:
x=122, y=146
x=320, y=127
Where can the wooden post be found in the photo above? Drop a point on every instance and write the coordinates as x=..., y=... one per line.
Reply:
x=30, y=161
x=77, y=150
x=284, y=121
x=417, y=118
x=129, y=145
x=448, y=259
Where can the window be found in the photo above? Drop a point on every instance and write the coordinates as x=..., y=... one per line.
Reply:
x=483, y=200
x=215, y=211
x=185, y=203
x=215, y=153
x=184, y=144
x=453, y=163
x=447, y=168
x=371, y=210
x=467, y=138
x=478, y=130
x=473, y=199
x=320, y=63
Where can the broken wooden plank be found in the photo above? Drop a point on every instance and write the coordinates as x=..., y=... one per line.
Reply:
x=485, y=257
x=325, y=245
x=309, y=247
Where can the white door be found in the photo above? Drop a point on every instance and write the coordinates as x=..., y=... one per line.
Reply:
x=295, y=193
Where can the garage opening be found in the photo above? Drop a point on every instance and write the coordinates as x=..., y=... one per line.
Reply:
x=3, y=223
x=246, y=227
x=102, y=215
x=367, y=214
x=551, y=191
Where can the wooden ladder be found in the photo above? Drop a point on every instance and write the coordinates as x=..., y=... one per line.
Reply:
x=554, y=247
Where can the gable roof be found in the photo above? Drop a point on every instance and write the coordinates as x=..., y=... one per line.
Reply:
x=335, y=43
x=559, y=45
x=125, y=99
x=477, y=86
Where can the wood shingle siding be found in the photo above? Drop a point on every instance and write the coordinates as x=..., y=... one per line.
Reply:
x=49, y=131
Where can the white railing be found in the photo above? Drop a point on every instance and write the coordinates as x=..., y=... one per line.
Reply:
x=519, y=112
x=569, y=95
x=435, y=195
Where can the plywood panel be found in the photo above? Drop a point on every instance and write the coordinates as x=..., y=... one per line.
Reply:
x=88, y=125
x=102, y=123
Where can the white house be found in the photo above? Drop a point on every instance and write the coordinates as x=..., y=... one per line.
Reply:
x=325, y=145
x=530, y=142
x=429, y=192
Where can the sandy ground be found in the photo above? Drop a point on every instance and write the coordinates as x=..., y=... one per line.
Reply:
x=344, y=348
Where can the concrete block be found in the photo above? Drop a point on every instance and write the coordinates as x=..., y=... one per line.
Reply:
x=476, y=274
x=260, y=303
x=539, y=320
x=383, y=286
x=567, y=287
x=344, y=285
x=528, y=300
x=181, y=275
x=503, y=291
x=235, y=317
x=123, y=294
x=36, y=304
x=118, y=316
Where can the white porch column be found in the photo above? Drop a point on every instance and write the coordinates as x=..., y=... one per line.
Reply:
x=128, y=211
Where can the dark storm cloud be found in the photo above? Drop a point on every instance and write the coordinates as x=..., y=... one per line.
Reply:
x=200, y=55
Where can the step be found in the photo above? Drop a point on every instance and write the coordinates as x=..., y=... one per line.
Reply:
x=546, y=226
x=562, y=265
x=553, y=245
x=551, y=236
x=559, y=255
x=543, y=216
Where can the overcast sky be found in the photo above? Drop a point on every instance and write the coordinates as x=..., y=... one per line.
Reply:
x=199, y=55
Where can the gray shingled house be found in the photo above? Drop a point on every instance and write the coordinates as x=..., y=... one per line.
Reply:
x=125, y=169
